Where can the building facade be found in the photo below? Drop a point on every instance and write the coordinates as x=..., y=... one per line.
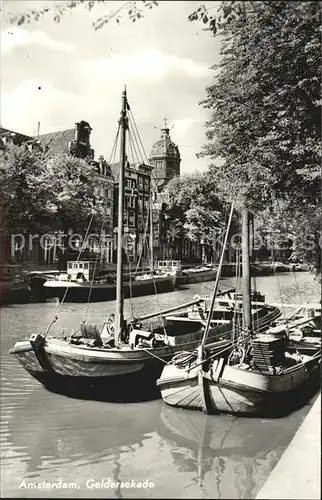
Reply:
x=137, y=187
x=104, y=181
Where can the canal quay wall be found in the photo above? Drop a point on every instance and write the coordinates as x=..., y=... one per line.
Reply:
x=297, y=475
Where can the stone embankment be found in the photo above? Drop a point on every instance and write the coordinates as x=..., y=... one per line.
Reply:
x=297, y=475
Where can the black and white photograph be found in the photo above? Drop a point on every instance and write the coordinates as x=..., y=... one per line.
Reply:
x=160, y=249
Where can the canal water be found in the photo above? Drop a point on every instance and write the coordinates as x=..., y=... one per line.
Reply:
x=58, y=447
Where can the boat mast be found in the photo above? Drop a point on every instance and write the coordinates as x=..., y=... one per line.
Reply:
x=119, y=315
x=202, y=382
x=218, y=275
x=151, y=234
x=247, y=316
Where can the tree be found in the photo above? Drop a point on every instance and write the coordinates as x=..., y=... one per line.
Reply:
x=195, y=210
x=41, y=196
x=263, y=137
x=265, y=100
x=73, y=193
x=24, y=197
x=286, y=221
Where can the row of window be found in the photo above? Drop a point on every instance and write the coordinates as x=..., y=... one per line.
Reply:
x=78, y=265
x=105, y=192
x=170, y=167
x=143, y=183
x=143, y=204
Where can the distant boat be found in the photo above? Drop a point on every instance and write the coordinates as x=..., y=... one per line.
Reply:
x=280, y=267
x=14, y=288
x=187, y=276
x=79, y=283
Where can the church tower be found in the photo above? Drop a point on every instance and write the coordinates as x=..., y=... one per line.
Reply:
x=165, y=159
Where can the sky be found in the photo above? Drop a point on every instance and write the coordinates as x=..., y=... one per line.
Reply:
x=60, y=73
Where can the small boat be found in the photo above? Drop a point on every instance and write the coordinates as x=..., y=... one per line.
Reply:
x=227, y=313
x=260, y=375
x=13, y=287
x=79, y=283
x=280, y=267
x=187, y=276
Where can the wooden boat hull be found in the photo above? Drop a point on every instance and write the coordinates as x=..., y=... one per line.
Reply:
x=196, y=277
x=243, y=392
x=79, y=292
x=238, y=391
x=179, y=388
x=77, y=370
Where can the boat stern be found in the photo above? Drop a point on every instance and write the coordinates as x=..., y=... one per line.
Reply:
x=179, y=387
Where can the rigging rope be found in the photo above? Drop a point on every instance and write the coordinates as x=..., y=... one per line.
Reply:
x=280, y=293
x=146, y=225
x=130, y=286
x=93, y=276
x=154, y=355
x=256, y=315
x=113, y=152
x=297, y=286
x=68, y=282
x=133, y=145
x=132, y=120
x=155, y=287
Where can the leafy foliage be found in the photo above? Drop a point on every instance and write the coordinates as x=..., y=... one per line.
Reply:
x=24, y=199
x=263, y=137
x=74, y=197
x=298, y=222
x=131, y=9
x=38, y=195
x=195, y=208
x=265, y=101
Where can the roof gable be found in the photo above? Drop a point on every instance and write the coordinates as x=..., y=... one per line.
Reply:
x=16, y=137
x=56, y=143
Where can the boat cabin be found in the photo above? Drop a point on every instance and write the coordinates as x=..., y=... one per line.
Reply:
x=169, y=265
x=11, y=272
x=81, y=270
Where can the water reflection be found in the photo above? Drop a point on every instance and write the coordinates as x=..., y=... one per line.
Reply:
x=227, y=455
x=53, y=430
